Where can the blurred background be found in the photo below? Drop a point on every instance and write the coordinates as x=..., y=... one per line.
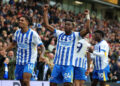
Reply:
x=105, y=15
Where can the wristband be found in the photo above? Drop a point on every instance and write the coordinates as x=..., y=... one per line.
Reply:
x=88, y=16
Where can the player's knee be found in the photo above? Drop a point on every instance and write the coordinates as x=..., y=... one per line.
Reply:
x=68, y=84
x=26, y=80
x=76, y=82
x=81, y=83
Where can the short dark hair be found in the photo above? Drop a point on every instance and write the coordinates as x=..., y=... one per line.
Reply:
x=28, y=19
x=100, y=32
x=69, y=20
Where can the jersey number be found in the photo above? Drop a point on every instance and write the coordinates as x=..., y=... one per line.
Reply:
x=79, y=46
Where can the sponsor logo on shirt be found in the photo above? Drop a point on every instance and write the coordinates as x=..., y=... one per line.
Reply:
x=22, y=46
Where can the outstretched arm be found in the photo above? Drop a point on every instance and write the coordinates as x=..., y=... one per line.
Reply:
x=12, y=45
x=42, y=50
x=87, y=29
x=102, y=53
x=46, y=19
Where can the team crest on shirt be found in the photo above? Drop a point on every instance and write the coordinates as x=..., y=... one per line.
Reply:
x=100, y=75
x=22, y=46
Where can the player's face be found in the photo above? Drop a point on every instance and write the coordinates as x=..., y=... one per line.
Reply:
x=23, y=22
x=68, y=27
x=97, y=37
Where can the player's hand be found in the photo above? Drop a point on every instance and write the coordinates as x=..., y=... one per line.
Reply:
x=91, y=49
x=87, y=72
x=41, y=59
x=86, y=12
x=45, y=8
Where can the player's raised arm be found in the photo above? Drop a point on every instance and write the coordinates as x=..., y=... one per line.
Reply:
x=88, y=59
x=46, y=18
x=88, y=63
x=87, y=29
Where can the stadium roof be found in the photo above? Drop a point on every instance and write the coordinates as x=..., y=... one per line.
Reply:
x=102, y=2
x=106, y=3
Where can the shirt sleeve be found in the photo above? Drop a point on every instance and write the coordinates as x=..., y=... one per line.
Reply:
x=88, y=44
x=92, y=55
x=101, y=54
x=36, y=39
x=77, y=34
x=15, y=36
x=103, y=51
x=57, y=32
x=2, y=59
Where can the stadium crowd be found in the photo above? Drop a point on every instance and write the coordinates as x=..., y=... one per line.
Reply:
x=9, y=15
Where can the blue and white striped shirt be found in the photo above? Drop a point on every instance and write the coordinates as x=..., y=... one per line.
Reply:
x=65, y=47
x=101, y=51
x=26, y=46
x=81, y=59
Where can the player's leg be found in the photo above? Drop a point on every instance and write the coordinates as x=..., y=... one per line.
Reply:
x=26, y=79
x=79, y=76
x=53, y=84
x=55, y=76
x=68, y=84
x=103, y=77
x=82, y=82
x=22, y=83
x=102, y=83
x=95, y=78
x=76, y=82
x=79, y=82
x=28, y=70
x=67, y=73
x=19, y=73
x=94, y=82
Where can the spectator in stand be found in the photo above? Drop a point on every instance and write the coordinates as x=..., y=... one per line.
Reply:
x=44, y=70
x=51, y=46
x=11, y=55
x=2, y=66
x=1, y=44
x=5, y=44
x=12, y=64
x=6, y=71
x=116, y=71
x=50, y=57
